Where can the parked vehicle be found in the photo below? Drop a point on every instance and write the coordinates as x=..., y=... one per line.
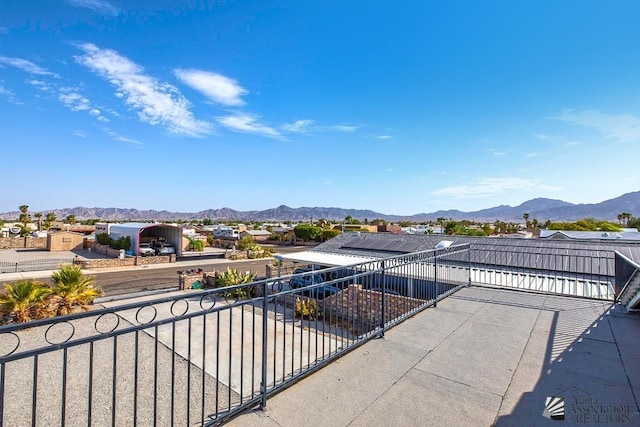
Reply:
x=146, y=250
x=318, y=292
x=226, y=233
x=166, y=250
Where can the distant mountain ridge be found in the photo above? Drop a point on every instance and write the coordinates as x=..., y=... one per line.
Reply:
x=539, y=208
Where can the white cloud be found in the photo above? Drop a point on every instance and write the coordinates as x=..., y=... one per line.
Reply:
x=248, y=123
x=383, y=137
x=80, y=133
x=116, y=136
x=533, y=154
x=344, y=128
x=101, y=6
x=4, y=30
x=5, y=91
x=485, y=187
x=40, y=85
x=299, y=126
x=544, y=137
x=157, y=103
x=624, y=127
x=77, y=102
x=497, y=153
x=25, y=65
x=218, y=88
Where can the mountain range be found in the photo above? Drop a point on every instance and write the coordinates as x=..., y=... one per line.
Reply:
x=540, y=208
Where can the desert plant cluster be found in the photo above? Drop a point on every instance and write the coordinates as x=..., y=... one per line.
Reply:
x=29, y=299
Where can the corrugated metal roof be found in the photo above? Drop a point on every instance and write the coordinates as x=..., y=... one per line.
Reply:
x=139, y=225
x=579, y=256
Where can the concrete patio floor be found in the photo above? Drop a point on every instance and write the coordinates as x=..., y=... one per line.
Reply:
x=483, y=357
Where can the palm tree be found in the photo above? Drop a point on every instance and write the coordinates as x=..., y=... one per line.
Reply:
x=526, y=220
x=440, y=221
x=24, y=300
x=25, y=218
x=38, y=216
x=49, y=219
x=71, y=219
x=71, y=289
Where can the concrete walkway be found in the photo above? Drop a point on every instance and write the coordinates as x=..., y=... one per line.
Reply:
x=482, y=357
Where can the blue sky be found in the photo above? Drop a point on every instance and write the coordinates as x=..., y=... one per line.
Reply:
x=400, y=108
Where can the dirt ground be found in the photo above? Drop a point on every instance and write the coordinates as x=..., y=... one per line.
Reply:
x=16, y=255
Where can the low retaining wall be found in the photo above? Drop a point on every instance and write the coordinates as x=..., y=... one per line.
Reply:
x=285, y=268
x=105, y=249
x=237, y=254
x=129, y=261
x=23, y=242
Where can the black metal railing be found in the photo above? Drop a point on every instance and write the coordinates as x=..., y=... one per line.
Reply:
x=201, y=357
x=33, y=265
x=576, y=272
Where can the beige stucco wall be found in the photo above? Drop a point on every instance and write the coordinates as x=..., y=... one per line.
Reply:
x=64, y=241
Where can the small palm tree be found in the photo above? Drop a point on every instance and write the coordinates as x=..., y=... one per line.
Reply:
x=38, y=216
x=71, y=289
x=25, y=300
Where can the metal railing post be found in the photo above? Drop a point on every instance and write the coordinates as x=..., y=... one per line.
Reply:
x=469, y=257
x=383, y=302
x=263, y=383
x=435, y=277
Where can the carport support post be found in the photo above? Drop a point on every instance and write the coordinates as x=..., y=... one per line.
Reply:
x=263, y=384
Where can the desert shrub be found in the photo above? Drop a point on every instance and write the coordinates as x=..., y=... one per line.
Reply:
x=28, y=299
x=247, y=243
x=306, y=308
x=103, y=239
x=196, y=245
x=329, y=234
x=234, y=277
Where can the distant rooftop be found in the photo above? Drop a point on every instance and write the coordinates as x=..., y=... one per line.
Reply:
x=632, y=234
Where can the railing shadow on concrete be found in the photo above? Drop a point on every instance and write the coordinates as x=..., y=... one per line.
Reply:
x=584, y=355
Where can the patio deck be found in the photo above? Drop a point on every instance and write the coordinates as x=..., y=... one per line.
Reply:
x=483, y=357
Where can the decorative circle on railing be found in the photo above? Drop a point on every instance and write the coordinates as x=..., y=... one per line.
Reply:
x=186, y=308
x=276, y=286
x=208, y=301
x=106, y=323
x=59, y=335
x=5, y=343
x=231, y=297
x=141, y=311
